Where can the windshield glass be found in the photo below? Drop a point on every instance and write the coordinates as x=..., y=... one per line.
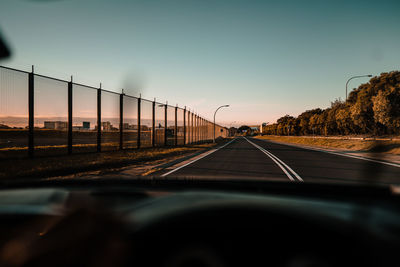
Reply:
x=296, y=91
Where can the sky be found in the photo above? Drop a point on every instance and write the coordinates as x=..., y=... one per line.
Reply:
x=263, y=58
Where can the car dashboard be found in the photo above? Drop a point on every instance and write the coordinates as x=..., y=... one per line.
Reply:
x=197, y=224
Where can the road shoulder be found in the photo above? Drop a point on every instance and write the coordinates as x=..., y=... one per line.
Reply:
x=385, y=157
x=136, y=161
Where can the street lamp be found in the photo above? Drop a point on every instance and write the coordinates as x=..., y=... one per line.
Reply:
x=360, y=76
x=224, y=106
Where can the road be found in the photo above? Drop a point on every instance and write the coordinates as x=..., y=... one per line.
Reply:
x=261, y=159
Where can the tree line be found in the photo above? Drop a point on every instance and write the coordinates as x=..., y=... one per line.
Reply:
x=372, y=108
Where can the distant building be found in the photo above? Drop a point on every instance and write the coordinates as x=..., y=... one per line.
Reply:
x=255, y=129
x=3, y=126
x=106, y=126
x=125, y=126
x=263, y=127
x=55, y=125
x=86, y=125
x=180, y=130
x=232, y=131
x=144, y=128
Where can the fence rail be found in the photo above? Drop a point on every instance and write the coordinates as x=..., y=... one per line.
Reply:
x=41, y=115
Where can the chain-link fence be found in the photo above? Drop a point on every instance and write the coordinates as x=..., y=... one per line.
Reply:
x=41, y=115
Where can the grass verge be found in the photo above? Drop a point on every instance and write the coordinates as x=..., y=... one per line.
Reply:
x=392, y=147
x=43, y=167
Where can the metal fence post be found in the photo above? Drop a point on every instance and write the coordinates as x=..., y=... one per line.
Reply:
x=196, y=123
x=121, y=120
x=31, y=92
x=99, y=119
x=194, y=128
x=202, y=129
x=188, y=127
x=165, y=123
x=139, y=124
x=70, y=117
x=184, y=126
x=205, y=130
x=176, y=126
x=192, y=132
x=208, y=131
x=153, y=124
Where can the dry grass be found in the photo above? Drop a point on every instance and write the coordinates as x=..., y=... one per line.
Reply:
x=392, y=147
x=42, y=167
x=109, y=144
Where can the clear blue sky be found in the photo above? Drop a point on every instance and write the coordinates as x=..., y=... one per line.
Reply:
x=264, y=58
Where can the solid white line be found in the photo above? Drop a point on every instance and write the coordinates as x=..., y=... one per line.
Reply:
x=337, y=153
x=284, y=164
x=273, y=159
x=205, y=155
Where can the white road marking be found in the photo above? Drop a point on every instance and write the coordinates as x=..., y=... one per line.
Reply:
x=278, y=162
x=205, y=155
x=284, y=164
x=337, y=153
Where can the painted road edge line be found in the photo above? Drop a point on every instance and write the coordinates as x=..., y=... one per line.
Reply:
x=271, y=156
x=273, y=159
x=205, y=155
x=335, y=153
x=284, y=164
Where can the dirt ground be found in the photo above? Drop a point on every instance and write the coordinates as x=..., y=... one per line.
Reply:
x=42, y=167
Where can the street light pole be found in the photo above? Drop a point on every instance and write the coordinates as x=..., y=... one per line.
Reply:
x=359, y=76
x=224, y=106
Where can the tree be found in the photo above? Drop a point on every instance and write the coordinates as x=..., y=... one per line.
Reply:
x=362, y=112
x=284, y=124
x=343, y=120
x=304, y=120
x=386, y=107
x=373, y=107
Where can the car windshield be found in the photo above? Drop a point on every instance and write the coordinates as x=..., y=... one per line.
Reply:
x=292, y=91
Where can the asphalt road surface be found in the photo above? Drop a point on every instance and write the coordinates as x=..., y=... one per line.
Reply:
x=261, y=159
